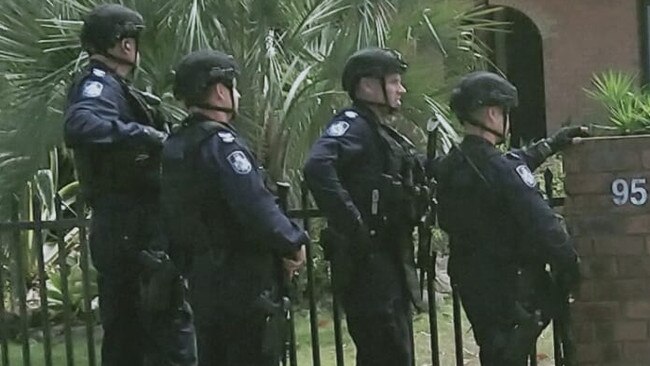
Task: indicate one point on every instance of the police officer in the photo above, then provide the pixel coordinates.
(502, 233)
(227, 231)
(117, 143)
(363, 175)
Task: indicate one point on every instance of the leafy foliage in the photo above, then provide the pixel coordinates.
(627, 104)
(291, 52)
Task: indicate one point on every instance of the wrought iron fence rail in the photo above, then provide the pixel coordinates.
(60, 224)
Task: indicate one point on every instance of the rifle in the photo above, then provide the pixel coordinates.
(148, 108)
(427, 257)
(428, 220)
(565, 352)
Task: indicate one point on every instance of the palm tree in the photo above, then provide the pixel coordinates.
(291, 52)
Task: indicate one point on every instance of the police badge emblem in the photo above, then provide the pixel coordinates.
(526, 175)
(338, 128)
(239, 162)
(92, 89)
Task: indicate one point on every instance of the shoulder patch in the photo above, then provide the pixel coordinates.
(338, 128)
(226, 136)
(239, 162)
(99, 73)
(526, 175)
(92, 89)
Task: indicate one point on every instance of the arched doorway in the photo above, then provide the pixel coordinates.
(519, 54)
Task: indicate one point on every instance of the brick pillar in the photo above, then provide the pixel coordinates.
(611, 315)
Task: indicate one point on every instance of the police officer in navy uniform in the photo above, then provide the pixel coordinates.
(227, 232)
(502, 233)
(363, 175)
(117, 141)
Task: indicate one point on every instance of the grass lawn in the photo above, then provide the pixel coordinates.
(422, 341)
(303, 336)
(36, 351)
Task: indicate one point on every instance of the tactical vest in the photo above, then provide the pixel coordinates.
(183, 202)
(401, 187)
(402, 201)
(462, 212)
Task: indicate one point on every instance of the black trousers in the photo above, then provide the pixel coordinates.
(232, 340)
(124, 335)
(118, 229)
(504, 344)
(493, 341)
(383, 338)
(114, 237)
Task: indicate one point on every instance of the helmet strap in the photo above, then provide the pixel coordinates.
(213, 107)
(472, 121)
(118, 60)
(123, 61)
(233, 112)
(391, 109)
(382, 105)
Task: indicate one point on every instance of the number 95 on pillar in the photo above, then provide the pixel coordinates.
(632, 191)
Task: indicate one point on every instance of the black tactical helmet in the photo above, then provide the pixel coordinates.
(199, 70)
(371, 62)
(481, 89)
(108, 23)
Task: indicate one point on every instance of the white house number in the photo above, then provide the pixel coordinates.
(634, 192)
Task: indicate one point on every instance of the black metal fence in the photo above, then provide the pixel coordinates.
(17, 237)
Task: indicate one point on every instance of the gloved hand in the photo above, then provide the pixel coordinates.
(154, 136)
(564, 137)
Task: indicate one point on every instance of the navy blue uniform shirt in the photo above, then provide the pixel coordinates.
(498, 223)
(214, 186)
(98, 111)
(343, 168)
(114, 151)
(239, 179)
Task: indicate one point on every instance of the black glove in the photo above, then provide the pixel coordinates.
(154, 136)
(563, 137)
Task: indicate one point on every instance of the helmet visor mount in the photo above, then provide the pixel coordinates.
(128, 30)
(226, 76)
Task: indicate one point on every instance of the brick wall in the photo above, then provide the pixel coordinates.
(611, 316)
(579, 38)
